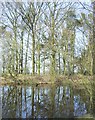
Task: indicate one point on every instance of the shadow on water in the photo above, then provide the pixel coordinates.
(46, 102)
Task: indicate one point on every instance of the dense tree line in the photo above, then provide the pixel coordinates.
(42, 37)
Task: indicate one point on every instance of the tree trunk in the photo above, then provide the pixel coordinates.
(44, 64)
(93, 50)
(38, 57)
(22, 51)
(39, 63)
(59, 63)
(93, 57)
(3, 63)
(26, 55)
(64, 62)
(53, 47)
(33, 53)
(15, 39)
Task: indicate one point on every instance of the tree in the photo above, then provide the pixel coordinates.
(30, 17)
(10, 13)
(45, 34)
(93, 57)
(93, 50)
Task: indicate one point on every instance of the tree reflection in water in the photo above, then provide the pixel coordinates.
(44, 102)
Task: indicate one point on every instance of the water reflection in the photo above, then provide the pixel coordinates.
(44, 102)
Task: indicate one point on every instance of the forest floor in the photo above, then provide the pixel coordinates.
(75, 80)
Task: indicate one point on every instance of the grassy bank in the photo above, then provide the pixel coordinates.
(75, 80)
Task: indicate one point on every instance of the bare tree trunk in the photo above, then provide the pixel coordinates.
(3, 64)
(93, 50)
(53, 46)
(59, 63)
(15, 38)
(93, 57)
(33, 53)
(22, 51)
(64, 62)
(26, 55)
(39, 63)
(44, 64)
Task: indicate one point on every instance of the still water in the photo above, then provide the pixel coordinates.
(45, 102)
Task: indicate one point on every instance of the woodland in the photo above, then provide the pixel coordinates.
(47, 59)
